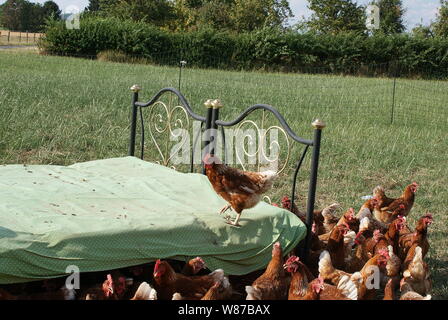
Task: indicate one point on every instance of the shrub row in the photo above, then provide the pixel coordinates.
(266, 49)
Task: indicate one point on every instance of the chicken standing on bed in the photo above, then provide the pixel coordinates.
(241, 189)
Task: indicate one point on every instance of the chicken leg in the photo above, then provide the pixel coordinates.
(235, 222)
(225, 208)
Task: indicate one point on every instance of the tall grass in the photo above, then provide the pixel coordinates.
(56, 110)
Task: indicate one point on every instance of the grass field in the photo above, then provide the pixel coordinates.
(57, 110)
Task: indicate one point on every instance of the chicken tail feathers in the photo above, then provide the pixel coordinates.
(145, 292)
(252, 293)
(348, 288)
(325, 266)
(218, 275)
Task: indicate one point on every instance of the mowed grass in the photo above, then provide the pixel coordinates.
(56, 110)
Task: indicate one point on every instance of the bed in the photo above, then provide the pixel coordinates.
(114, 213)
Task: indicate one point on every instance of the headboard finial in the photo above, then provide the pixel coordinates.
(217, 104)
(318, 124)
(136, 88)
(208, 103)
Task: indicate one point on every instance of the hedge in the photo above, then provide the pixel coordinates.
(266, 49)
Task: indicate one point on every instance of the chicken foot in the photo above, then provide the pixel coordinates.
(234, 223)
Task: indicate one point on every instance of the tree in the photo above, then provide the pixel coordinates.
(441, 24)
(12, 14)
(22, 15)
(94, 5)
(336, 16)
(51, 10)
(391, 16)
(421, 31)
(249, 15)
(157, 12)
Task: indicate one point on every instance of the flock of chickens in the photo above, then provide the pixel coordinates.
(372, 254)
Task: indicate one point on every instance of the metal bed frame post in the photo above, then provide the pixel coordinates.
(208, 125)
(216, 104)
(318, 126)
(135, 89)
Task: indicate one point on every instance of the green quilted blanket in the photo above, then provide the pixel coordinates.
(113, 213)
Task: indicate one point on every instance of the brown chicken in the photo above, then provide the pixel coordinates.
(324, 220)
(389, 290)
(241, 189)
(349, 219)
(221, 290)
(336, 245)
(400, 206)
(325, 291)
(419, 237)
(105, 291)
(273, 284)
(167, 282)
(193, 266)
(416, 271)
(300, 277)
(379, 198)
(370, 279)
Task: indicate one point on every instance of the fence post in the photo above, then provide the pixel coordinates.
(135, 89)
(9, 34)
(392, 111)
(318, 126)
(27, 37)
(182, 64)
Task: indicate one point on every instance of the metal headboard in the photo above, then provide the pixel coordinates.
(212, 127)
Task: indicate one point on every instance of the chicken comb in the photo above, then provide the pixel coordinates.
(292, 259)
(384, 252)
(156, 267)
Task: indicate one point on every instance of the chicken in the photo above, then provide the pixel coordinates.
(327, 271)
(393, 266)
(371, 275)
(193, 266)
(167, 282)
(416, 272)
(5, 295)
(300, 277)
(349, 219)
(110, 289)
(273, 284)
(419, 237)
(221, 290)
(336, 245)
(324, 219)
(324, 291)
(407, 292)
(241, 189)
(393, 232)
(411, 295)
(379, 197)
(373, 223)
(389, 290)
(401, 206)
(145, 292)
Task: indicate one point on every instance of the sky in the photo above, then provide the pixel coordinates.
(418, 11)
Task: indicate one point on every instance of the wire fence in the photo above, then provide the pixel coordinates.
(383, 92)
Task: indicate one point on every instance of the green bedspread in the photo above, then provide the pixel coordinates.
(114, 213)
